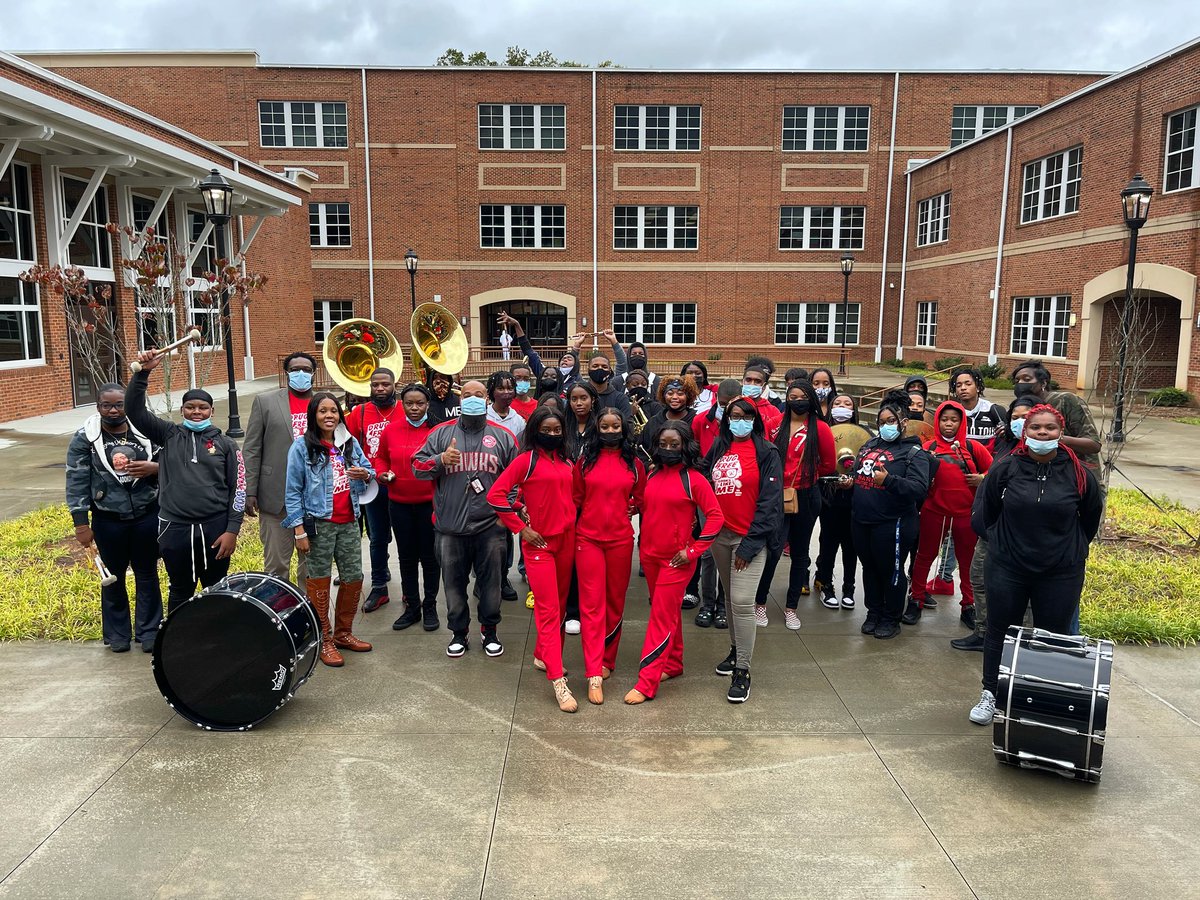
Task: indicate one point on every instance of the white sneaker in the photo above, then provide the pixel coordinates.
(760, 616)
(572, 626)
(984, 709)
(791, 620)
(847, 603)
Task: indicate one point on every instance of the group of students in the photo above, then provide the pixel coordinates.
(724, 480)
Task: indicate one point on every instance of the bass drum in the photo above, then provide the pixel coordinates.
(236, 652)
(1052, 702)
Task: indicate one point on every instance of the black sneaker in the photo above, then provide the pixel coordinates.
(491, 643)
(970, 642)
(912, 614)
(377, 598)
(967, 617)
(887, 629)
(429, 616)
(119, 648)
(148, 646)
(739, 687)
(410, 616)
(869, 623)
(828, 598)
(725, 666)
(704, 618)
(507, 592)
(690, 601)
(457, 647)
(719, 620)
(930, 601)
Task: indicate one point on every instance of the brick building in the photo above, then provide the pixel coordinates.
(702, 212)
(72, 161)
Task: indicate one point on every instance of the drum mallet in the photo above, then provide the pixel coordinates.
(193, 335)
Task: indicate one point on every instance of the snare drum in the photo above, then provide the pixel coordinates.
(1052, 702)
(232, 655)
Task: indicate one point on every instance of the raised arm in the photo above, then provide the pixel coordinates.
(135, 408)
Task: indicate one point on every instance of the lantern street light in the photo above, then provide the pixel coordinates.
(410, 263)
(1135, 207)
(218, 203)
(847, 268)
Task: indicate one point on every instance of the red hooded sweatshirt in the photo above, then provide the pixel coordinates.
(949, 493)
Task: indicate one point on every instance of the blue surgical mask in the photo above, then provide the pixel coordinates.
(300, 380)
(473, 406)
(522, 387)
(196, 426)
(1041, 447)
(752, 390)
(741, 427)
(720, 412)
(1017, 427)
(417, 423)
(889, 432)
(566, 370)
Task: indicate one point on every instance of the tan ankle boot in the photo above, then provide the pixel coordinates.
(347, 606)
(318, 596)
(596, 689)
(562, 693)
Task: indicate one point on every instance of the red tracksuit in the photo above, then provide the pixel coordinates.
(606, 496)
(545, 482)
(771, 416)
(673, 497)
(948, 506)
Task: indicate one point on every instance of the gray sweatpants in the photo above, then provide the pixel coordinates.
(740, 589)
(279, 544)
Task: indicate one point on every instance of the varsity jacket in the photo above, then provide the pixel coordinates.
(460, 504)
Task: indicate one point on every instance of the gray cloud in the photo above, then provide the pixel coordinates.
(853, 34)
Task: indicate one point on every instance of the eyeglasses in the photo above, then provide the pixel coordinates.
(113, 406)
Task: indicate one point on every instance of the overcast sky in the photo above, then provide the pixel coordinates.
(1107, 35)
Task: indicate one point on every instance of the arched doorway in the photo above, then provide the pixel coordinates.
(547, 316)
(1167, 308)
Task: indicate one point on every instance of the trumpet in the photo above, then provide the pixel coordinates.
(639, 417)
(93, 555)
(193, 335)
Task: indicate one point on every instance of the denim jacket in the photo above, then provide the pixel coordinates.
(310, 489)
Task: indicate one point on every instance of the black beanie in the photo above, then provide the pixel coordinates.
(198, 394)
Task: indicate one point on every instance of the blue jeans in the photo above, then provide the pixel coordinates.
(379, 530)
(459, 554)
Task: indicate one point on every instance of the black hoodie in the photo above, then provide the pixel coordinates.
(200, 474)
(906, 485)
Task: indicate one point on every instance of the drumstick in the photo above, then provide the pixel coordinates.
(106, 576)
(193, 335)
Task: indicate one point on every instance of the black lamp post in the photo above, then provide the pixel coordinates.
(847, 268)
(410, 263)
(1135, 206)
(218, 202)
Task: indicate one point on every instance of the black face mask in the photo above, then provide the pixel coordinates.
(668, 457)
(548, 441)
(113, 421)
(611, 438)
(639, 393)
(1025, 388)
(384, 402)
(799, 407)
(599, 376)
(916, 414)
(637, 362)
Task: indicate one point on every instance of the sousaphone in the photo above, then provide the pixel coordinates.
(438, 341)
(921, 429)
(355, 348)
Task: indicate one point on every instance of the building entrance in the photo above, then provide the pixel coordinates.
(545, 323)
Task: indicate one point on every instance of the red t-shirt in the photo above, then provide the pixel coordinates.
(524, 408)
(735, 482)
(367, 423)
(299, 408)
(826, 455)
(343, 509)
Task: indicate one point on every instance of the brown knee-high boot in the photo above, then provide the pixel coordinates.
(347, 606)
(318, 596)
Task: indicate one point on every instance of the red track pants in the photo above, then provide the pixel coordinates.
(603, 569)
(934, 526)
(548, 570)
(662, 651)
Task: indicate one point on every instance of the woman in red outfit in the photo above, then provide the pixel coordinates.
(610, 483)
(675, 493)
(410, 505)
(546, 524)
(958, 469)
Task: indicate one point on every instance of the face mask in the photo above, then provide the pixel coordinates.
(799, 407)
(841, 414)
(752, 390)
(547, 387)
(916, 414)
(417, 423)
(611, 438)
(196, 426)
(599, 376)
(720, 412)
(668, 457)
(113, 421)
(1017, 427)
(1025, 388)
(384, 402)
(566, 370)
(741, 428)
(1040, 447)
(823, 393)
(639, 393)
(300, 381)
(522, 387)
(889, 432)
(637, 362)
(473, 406)
(548, 441)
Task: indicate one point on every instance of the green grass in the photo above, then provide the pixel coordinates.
(1189, 420)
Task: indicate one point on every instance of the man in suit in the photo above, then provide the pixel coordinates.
(276, 419)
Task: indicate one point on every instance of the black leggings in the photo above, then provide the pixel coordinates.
(836, 534)
(799, 529)
(124, 544)
(187, 554)
(882, 549)
(1054, 597)
(412, 524)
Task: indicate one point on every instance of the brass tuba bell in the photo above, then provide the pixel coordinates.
(439, 342)
(355, 348)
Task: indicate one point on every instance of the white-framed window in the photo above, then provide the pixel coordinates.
(522, 126)
(329, 224)
(655, 323)
(206, 317)
(1039, 326)
(1181, 169)
(815, 323)
(206, 259)
(90, 245)
(521, 226)
(20, 323)
(829, 128)
(1050, 186)
(656, 227)
(16, 214)
(302, 123)
(933, 220)
(821, 227)
(327, 313)
(927, 323)
(970, 122)
(656, 128)
(156, 327)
